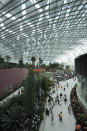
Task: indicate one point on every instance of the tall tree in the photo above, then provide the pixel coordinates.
(61, 66)
(67, 67)
(33, 59)
(40, 62)
(8, 58)
(54, 65)
(44, 85)
(21, 63)
(1, 62)
(12, 119)
(30, 94)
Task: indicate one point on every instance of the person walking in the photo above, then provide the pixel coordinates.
(65, 99)
(51, 111)
(61, 87)
(58, 102)
(65, 95)
(60, 116)
(69, 109)
(52, 118)
(57, 96)
(67, 84)
(61, 95)
(55, 99)
(47, 111)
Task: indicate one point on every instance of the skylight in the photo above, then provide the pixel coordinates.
(8, 15)
(23, 7)
(36, 5)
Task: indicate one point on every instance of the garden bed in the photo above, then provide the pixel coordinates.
(25, 111)
(77, 110)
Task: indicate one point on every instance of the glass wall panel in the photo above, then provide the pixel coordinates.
(82, 87)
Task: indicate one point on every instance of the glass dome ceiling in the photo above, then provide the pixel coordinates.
(4, 2)
(43, 28)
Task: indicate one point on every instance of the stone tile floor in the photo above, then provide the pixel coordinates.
(68, 122)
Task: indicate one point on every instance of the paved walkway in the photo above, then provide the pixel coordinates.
(68, 122)
(10, 96)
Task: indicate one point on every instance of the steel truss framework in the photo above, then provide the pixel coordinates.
(42, 28)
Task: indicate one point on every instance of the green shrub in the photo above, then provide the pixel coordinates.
(82, 118)
(12, 119)
(77, 109)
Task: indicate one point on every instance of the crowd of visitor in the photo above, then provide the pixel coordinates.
(58, 99)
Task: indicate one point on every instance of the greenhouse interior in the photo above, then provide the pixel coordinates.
(43, 65)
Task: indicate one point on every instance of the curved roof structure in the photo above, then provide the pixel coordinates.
(3, 3)
(43, 28)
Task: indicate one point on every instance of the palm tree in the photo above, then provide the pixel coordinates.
(67, 67)
(1, 61)
(21, 63)
(33, 59)
(61, 66)
(12, 120)
(40, 62)
(8, 58)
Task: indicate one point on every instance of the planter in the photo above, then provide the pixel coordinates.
(77, 110)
